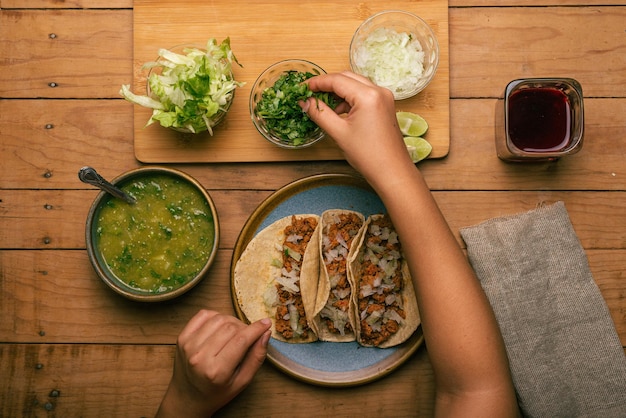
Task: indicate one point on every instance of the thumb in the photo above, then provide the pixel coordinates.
(253, 360)
(323, 116)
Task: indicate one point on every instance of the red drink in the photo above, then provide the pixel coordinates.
(539, 119)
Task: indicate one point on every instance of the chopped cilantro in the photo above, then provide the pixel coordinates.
(280, 110)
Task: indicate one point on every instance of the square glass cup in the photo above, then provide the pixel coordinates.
(541, 120)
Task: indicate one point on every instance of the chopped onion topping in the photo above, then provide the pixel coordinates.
(294, 238)
(294, 317)
(391, 298)
(270, 297)
(366, 290)
(393, 315)
(289, 283)
(292, 253)
(339, 317)
(342, 293)
(394, 60)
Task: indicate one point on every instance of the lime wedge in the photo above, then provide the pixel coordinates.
(411, 124)
(418, 148)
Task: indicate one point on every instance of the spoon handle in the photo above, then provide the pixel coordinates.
(90, 176)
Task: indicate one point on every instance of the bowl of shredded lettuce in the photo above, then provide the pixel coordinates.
(189, 88)
(274, 107)
(397, 50)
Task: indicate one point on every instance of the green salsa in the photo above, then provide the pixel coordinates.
(162, 241)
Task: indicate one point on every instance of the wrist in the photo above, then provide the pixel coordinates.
(178, 402)
(395, 178)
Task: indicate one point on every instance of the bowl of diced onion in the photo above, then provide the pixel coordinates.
(397, 50)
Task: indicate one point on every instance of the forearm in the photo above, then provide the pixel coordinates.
(463, 338)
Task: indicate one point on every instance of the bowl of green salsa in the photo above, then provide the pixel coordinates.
(159, 247)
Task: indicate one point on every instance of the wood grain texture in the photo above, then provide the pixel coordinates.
(66, 4)
(64, 53)
(86, 380)
(261, 34)
(48, 141)
(48, 220)
(71, 347)
(585, 43)
(54, 297)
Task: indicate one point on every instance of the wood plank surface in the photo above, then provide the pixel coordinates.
(78, 132)
(71, 347)
(46, 220)
(261, 34)
(577, 42)
(53, 297)
(81, 376)
(64, 53)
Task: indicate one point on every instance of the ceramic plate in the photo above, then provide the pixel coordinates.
(324, 363)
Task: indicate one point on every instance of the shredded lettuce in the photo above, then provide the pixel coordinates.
(193, 89)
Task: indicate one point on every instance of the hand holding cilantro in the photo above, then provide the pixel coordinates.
(280, 110)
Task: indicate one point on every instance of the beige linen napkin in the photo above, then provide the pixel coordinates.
(566, 357)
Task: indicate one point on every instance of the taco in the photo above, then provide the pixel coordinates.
(333, 318)
(382, 290)
(277, 267)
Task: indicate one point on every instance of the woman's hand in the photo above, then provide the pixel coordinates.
(217, 356)
(364, 125)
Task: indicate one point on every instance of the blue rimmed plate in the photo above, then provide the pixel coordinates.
(324, 363)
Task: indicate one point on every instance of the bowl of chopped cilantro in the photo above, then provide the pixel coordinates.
(189, 88)
(396, 50)
(274, 104)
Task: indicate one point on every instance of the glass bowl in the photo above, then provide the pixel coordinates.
(266, 80)
(186, 49)
(391, 47)
(160, 247)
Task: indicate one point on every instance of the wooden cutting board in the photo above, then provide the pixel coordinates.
(261, 34)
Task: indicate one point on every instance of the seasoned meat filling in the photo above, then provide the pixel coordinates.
(336, 242)
(290, 315)
(380, 285)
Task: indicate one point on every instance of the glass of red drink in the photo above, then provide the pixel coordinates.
(543, 119)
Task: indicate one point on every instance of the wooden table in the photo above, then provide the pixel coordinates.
(71, 347)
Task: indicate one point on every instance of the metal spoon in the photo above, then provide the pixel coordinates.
(90, 176)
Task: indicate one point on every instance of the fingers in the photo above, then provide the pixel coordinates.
(253, 359)
(245, 341)
(346, 85)
(325, 117)
(209, 335)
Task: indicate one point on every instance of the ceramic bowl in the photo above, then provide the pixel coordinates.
(161, 246)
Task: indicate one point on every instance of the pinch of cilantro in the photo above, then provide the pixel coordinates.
(280, 110)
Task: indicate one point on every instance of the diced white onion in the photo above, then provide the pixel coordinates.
(294, 238)
(390, 59)
(293, 316)
(341, 293)
(366, 291)
(289, 283)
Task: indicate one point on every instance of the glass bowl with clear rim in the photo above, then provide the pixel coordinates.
(215, 120)
(266, 80)
(380, 51)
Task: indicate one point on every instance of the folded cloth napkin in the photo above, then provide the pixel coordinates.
(565, 355)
